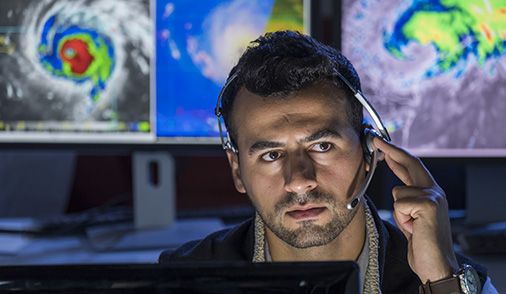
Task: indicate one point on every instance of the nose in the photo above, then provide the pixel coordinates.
(300, 176)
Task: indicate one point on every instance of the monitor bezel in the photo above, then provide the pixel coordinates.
(200, 276)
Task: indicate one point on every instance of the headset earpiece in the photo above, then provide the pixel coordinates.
(368, 145)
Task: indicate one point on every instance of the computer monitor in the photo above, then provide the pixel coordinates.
(76, 71)
(188, 277)
(436, 73)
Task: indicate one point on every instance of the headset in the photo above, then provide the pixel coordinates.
(371, 154)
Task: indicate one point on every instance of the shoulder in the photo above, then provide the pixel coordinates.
(235, 243)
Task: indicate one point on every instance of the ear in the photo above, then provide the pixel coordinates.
(233, 161)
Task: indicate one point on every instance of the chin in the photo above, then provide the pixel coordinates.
(310, 240)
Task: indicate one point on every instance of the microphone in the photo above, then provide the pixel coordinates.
(356, 200)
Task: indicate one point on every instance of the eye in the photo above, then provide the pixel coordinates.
(271, 156)
(322, 147)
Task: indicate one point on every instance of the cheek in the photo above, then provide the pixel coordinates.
(342, 176)
(264, 189)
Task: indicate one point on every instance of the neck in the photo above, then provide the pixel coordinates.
(346, 246)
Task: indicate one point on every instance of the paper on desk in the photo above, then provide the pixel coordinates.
(18, 224)
(125, 237)
(13, 243)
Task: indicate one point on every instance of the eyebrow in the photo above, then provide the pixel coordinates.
(323, 133)
(262, 145)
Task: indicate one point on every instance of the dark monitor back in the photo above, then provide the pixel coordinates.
(187, 277)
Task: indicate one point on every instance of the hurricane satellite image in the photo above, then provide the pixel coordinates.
(434, 69)
(79, 65)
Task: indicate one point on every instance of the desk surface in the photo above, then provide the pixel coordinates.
(104, 245)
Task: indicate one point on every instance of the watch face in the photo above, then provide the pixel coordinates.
(470, 280)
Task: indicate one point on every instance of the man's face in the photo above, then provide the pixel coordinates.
(299, 161)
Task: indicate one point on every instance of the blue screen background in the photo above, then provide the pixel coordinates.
(186, 47)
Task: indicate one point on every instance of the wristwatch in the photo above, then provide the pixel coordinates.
(469, 280)
(466, 281)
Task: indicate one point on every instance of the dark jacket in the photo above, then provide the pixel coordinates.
(237, 244)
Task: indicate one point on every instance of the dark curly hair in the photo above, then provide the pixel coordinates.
(280, 63)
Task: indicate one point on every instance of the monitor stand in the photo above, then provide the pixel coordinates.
(155, 225)
(154, 189)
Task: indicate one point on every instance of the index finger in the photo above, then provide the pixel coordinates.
(408, 168)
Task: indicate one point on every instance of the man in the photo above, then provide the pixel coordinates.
(296, 134)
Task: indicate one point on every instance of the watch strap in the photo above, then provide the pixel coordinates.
(446, 286)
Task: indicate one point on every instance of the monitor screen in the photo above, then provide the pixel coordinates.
(434, 70)
(126, 71)
(187, 277)
(75, 70)
(197, 46)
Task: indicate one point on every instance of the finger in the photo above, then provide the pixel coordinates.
(408, 203)
(419, 207)
(407, 210)
(413, 171)
(400, 171)
(401, 192)
(404, 231)
(405, 222)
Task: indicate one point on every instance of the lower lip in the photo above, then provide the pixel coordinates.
(305, 214)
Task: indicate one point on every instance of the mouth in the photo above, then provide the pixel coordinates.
(303, 213)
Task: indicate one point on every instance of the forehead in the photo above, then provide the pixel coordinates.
(320, 105)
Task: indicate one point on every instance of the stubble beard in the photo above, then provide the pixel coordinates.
(309, 234)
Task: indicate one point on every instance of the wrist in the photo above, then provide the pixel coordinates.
(465, 280)
(439, 273)
(438, 276)
(444, 267)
